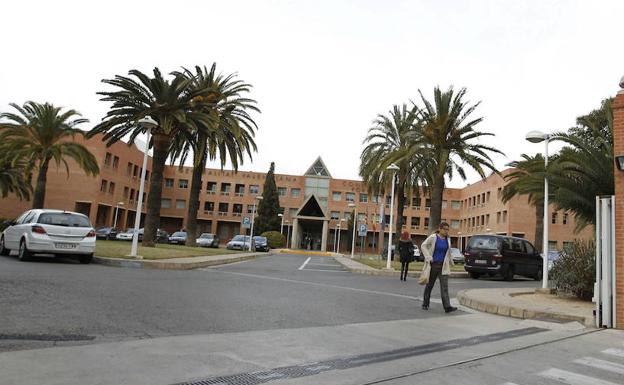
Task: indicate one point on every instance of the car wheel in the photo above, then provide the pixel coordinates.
(509, 273)
(24, 254)
(86, 259)
(3, 250)
(538, 275)
(475, 275)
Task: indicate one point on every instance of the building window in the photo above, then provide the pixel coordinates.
(254, 189)
(108, 159)
(250, 209)
(565, 218)
(335, 215)
(103, 185)
(552, 245)
(111, 188)
(487, 219)
(427, 204)
(336, 196)
(505, 216)
(388, 199)
(147, 175)
(376, 198)
(237, 208)
(239, 190)
(115, 162)
(135, 171)
(347, 215)
(487, 199)
(350, 197)
(498, 217)
(295, 192)
(363, 198)
(225, 188)
(168, 182)
(132, 195)
(444, 204)
(208, 206)
(126, 192)
(455, 205)
(416, 201)
(361, 217)
(183, 183)
(224, 207)
(282, 191)
(553, 218)
(479, 199)
(427, 223)
(292, 212)
(415, 222)
(498, 192)
(567, 244)
(129, 169)
(165, 203)
(454, 224)
(180, 204)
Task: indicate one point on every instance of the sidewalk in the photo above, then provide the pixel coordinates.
(177, 263)
(526, 303)
(360, 268)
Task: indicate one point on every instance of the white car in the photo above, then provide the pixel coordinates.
(125, 236)
(42, 231)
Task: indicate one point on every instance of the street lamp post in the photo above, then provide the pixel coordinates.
(148, 123)
(282, 225)
(459, 235)
(287, 234)
(336, 235)
(393, 167)
(537, 137)
(116, 212)
(253, 216)
(339, 232)
(354, 207)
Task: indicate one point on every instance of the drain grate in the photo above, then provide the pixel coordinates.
(46, 337)
(260, 377)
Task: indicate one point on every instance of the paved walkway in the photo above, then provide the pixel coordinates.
(526, 303)
(177, 263)
(360, 268)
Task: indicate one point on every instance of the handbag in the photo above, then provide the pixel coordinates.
(424, 274)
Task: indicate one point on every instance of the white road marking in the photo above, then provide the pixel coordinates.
(305, 263)
(330, 271)
(510, 383)
(614, 352)
(571, 378)
(601, 364)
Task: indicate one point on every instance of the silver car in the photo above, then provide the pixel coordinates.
(240, 242)
(43, 231)
(207, 240)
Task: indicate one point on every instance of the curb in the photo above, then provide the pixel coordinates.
(305, 252)
(159, 265)
(385, 273)
(507, 310)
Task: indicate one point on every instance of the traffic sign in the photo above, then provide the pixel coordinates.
(362, 230)
(247, 222)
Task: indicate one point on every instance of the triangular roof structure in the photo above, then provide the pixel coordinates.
(312, 208)
(318, 168)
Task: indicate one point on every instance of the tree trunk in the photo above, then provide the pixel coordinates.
(437, 190)
(539, 226)
(193, 208)
(40, 189)
(400, 191)
(152, 219)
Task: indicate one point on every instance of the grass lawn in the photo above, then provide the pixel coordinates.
(414, 266)
(120, 249)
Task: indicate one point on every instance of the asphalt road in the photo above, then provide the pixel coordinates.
(59, 302)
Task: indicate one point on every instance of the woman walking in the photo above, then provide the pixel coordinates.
(437, 251)
(406, 252)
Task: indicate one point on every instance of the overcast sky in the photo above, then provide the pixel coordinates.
(322, 70)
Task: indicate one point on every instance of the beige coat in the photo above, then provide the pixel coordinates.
(428, 247)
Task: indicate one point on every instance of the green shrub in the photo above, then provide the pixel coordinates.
(574, 272)
(2, 225)
(275, 238)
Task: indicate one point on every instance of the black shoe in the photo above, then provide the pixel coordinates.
(425, 307)
(450, 309)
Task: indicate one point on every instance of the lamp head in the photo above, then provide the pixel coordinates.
(147, 122)
(352, 205)
(622, 82)
(392, 167)
(536, 136)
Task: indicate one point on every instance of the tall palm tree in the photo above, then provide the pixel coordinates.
(13, 177)
(41, 133)
(229, 137)
(173, 104)
(449, 130)
(394, 138)
(528, 179)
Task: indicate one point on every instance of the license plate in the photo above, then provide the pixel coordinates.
(480, 261)
(65, 245)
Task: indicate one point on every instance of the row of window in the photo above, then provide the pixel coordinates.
(479, 200)
(226, 188)
(132, 169)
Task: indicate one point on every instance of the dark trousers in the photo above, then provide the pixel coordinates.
(404, 267)
(436, 271)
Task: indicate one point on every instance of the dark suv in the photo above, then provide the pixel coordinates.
(501, 255)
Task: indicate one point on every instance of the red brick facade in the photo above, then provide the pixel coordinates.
(618, 136)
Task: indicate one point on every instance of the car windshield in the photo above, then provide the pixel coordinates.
(241, 238)
(64, 219)
(179, 234)
(455, 251)
(483, 243)
(206, 235)
(260, 239)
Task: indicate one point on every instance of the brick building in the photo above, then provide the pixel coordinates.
(314, 203)
(618, 150)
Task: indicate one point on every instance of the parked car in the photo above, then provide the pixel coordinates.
(207, 240)
(106, 233)
(240, 242)
(457, 255)
(502, 255)
(161, 236)
(43, 231)
(261, 244)
(126, 235)
(178, 238)
(417, 254)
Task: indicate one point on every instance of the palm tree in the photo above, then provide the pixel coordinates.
(173, 104)
(229, 137)
(394, 138)
(13, 177)
(41, 133)
(449, 131)
(528, 179)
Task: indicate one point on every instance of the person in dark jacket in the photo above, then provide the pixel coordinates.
(406, 252)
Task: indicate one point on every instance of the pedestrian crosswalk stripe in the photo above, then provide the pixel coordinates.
(601, 364)
(614, 352)
(571, 378)
(510, 383)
